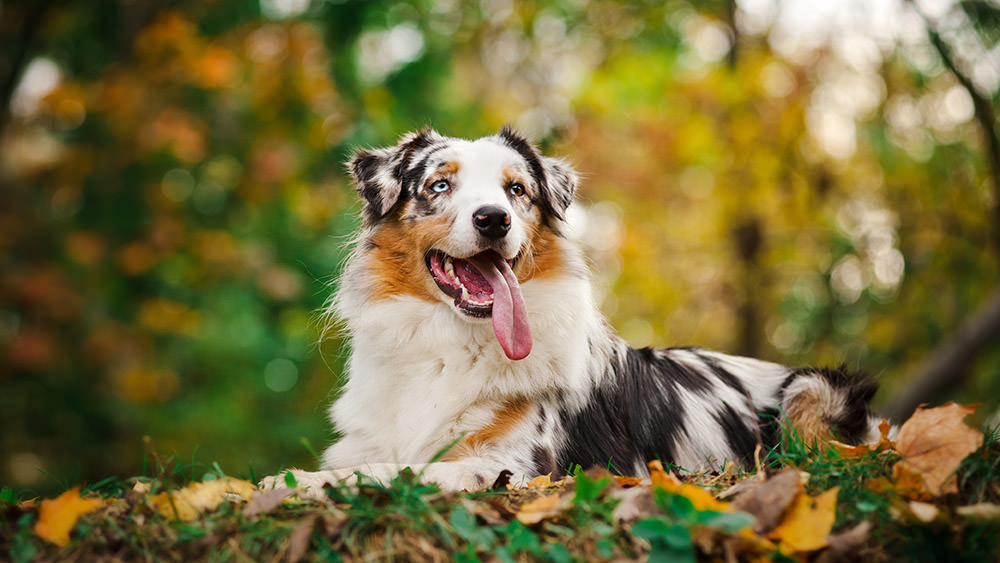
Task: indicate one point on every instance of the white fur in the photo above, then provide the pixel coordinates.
(421, 374)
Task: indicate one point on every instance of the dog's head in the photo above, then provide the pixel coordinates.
(464, 222)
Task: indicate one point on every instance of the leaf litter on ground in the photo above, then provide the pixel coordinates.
(929, 493)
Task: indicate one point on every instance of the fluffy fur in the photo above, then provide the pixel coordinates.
(426, 368)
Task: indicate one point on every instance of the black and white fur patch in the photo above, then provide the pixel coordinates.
(423, 373)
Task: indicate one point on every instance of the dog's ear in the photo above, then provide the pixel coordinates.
(560, 186)
(378, 173)
(555, 178)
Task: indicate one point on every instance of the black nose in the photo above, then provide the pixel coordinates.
(491, 221)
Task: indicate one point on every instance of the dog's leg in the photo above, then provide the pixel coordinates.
(468, 474)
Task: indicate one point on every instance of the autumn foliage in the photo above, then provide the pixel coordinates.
(767, 513)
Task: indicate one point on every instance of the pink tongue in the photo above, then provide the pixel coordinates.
(510, 316)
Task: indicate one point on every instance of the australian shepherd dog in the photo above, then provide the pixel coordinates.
(472, 324)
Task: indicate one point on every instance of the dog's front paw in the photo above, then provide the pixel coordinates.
(307, 484)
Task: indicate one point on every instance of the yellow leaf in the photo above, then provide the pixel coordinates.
(56, 517)
(808, 522)
(541, 481)
(700, 498)
(660, 477)
(188, 503)
(933, 442)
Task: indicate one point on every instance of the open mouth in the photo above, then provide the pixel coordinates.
(484, 286)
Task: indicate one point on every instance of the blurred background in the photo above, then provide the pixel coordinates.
(808, 181)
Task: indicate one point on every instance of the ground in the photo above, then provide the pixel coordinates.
(932, 494)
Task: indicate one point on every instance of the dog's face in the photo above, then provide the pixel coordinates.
(464, 223)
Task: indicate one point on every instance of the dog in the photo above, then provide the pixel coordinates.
(474, 332)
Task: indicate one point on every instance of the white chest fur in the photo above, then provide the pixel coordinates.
(420, 375)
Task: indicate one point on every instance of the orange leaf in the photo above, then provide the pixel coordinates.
(660, 477)
(57, 516)
(884, 443)
(933, 442)
(808, 522)
(627, 481)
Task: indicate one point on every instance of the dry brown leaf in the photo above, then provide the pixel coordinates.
(768, 501)
(808, 523)
(298, 540)
(188, 503)
(843, 545)
(542, 508)
(263, 502)
(933, 442)
(484, 510)
(634, 503)
(57, 516)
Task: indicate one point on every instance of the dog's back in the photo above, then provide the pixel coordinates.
(473, 327)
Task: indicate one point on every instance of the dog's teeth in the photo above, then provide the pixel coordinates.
(465, 294)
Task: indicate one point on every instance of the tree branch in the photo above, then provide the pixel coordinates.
(948, 365)
(984, 115)
(33, 16)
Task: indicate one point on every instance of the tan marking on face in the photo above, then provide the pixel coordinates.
(446, 171)
(544, 257)
(805, 413)
(511, 176)
(398, 256)
(505, 419)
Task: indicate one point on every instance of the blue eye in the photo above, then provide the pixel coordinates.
(440, 186)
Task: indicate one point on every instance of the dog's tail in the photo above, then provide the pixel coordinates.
(830, 403)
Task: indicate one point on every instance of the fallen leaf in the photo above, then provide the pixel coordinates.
(883, 443)
(623, 481)
(188, 503)
(634, 503)
(768, 501)
(57, 516)
(659, 476)
(904, 483)
(483, 510)
(933, 442)
(981, 511)
(808, 523)
(842, 545)
(700, 498)
(298, 540)
(924, 511)
(542, 508)
(263, 502)
(541, 481)
(884, 429)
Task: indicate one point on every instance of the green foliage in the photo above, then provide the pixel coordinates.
(670, 535)
(175, 207)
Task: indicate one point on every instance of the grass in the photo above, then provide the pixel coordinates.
(408, 520)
